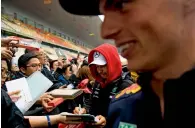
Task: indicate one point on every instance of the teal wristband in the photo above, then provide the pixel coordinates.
(48, 121)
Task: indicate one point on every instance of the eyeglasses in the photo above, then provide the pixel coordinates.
(34, 65)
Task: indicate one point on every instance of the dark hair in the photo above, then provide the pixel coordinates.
(8, 63)
(8, 68)
(51, 63)
(29, 50)
(85, 63)
(23, 60)
(65, 67)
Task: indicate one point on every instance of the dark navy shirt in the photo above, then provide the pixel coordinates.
(142, 109)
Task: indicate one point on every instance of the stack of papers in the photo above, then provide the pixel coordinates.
(66, 93)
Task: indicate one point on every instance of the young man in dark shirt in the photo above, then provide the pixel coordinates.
(157, 39)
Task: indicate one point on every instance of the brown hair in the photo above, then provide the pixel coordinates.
(84, 73)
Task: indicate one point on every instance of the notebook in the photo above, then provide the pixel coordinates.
(31, 89)
(77, 118)
(66, 93)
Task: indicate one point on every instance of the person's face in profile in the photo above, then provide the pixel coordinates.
(102, 71)
(4, 71)
(68, 72)
(14, 68)
(55, 65)
(148, 31)
(41, 56)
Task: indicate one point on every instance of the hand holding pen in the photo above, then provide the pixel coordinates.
(79, 110)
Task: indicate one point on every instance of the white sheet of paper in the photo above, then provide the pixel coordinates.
(70, 86)
(22, 85)
(35, 86)
(38, 84)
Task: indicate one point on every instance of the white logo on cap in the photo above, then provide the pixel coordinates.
(98, 59)
(96, 54)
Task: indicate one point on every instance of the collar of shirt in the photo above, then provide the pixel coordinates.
(178, 101)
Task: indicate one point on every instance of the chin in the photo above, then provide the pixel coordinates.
(141, 67)
(136, 66)
(132, 66)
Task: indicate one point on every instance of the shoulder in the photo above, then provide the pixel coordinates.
(61, 77)
(131, 92)
(127, 82)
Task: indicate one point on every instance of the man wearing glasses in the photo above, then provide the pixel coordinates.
(29, 63)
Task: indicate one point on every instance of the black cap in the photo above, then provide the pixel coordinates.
(81, 7)
(23, 60)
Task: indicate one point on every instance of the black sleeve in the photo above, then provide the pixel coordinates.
(11, 115)
(87, 103)
(88, 100)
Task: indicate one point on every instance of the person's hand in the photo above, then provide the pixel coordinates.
(9, 41)
(43, 95)
(45, 99)
(45, 105)
(6, 54)
(46, 95)
(79, 62)
(101, 121)
(74, 69)
(76, 111)
(14, 95)
(62, 119)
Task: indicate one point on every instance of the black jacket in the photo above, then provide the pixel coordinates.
(49, 75)
(11, 117)
(141, 109)
(101, 97)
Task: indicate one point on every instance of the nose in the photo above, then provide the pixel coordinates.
(110, 26)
